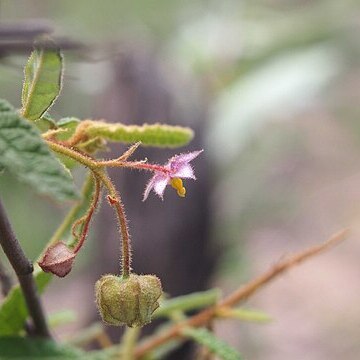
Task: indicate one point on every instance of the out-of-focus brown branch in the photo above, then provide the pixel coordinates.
(25, 29)
(241, 294)
(9, 47)
(23, 269)
(18, 37)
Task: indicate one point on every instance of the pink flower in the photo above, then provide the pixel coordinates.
(177, 168)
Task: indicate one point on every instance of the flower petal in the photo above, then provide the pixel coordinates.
(184, 171)
(157, 183)
(160, 185)
(148, 188)
(185, 158)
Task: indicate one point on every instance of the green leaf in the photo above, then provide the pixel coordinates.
(189, 302)
(159, 135)
(43, 78)
(45, 123)
(24, 154)
(210, 341)
(69, 124)
(61, 317)
(35, 348)
(244, 315)
(13, 310)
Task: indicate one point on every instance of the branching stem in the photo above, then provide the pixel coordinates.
(205, 316)
(113, 196)
(23, 269)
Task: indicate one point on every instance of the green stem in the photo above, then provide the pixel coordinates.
(129, 341)
(114, 198)
(76, 155)
(89, 215)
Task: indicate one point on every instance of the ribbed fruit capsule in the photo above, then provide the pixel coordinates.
(127, 301)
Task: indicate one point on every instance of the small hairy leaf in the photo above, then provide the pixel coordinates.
(13, 310)
(244, 314)
(45, 123)
(26, 155)
(189, 302)
(42, 83)
(152, 135)
(33, 348)
(210, 341)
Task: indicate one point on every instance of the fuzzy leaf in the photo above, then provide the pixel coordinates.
(24, 154)
(43, 78)
(45, 123)
(32, 348)
(69, 124)
(189, 302)
(13, 310)
(211, 342)
(152, 135)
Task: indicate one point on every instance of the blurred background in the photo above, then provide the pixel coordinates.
(272, 89)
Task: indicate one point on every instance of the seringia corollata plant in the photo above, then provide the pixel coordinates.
(40, 151)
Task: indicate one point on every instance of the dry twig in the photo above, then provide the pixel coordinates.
(240, 294)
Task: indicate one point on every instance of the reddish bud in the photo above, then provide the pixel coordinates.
(58, 260)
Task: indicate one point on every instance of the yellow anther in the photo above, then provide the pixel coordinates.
(181, 192)
(177, 184)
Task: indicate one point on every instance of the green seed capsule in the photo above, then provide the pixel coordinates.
(130, 301)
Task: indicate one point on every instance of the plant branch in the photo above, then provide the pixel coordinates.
(71, 215)
(23, 269)
(241, 294)
(73, 154)
(114, 198)
(139, 165)
(89, 215)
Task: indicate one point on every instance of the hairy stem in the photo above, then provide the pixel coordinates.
(71, 215)
(139, 165)
(114, 198)
(74, 154)
(205, 316)
(129, 340)
(23, 269)
(89, 215)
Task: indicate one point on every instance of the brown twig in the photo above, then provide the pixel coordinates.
(23, 269)
(241, 294)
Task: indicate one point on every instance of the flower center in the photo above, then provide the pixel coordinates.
(177, 184)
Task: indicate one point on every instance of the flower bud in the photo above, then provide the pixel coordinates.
(58, 259)
(127, 301)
